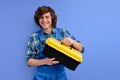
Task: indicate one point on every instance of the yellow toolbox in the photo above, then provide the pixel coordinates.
(67, 56)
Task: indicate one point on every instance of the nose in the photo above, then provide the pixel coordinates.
(44, 19)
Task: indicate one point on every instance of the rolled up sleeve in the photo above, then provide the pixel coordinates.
(31, 49)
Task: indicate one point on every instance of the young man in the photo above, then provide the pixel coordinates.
(47, 68)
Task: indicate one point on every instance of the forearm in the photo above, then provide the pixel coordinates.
(39, 62)
(35, 62)
(77, 46)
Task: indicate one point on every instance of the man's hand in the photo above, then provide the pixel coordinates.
(50, 61)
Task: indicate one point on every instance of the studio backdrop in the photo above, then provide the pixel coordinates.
(96, 23)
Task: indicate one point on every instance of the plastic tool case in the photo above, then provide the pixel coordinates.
(67, 56)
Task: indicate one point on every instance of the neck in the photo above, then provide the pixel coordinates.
(48, 30)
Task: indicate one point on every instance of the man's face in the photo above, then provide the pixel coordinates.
(45, 20)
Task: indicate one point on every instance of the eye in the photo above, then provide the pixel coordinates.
(47, 17)
(40, 17)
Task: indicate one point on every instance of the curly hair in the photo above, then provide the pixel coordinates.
(42, 10)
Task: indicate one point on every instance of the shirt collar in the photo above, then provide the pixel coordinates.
(53, 31)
